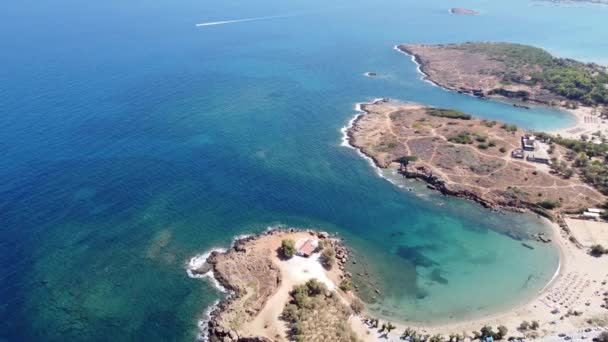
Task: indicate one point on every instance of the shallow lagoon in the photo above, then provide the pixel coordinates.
(132, 140)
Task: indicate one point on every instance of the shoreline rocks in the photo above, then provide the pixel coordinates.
(239, 266)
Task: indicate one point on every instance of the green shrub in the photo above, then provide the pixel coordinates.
(346, 285)
(291, 313)
(288, 248)
(315, 287)
(480, 138)
(534, 325)
(406, 159)
(328, 258)
(598, 250)
(509, 127)
(448, 113)
(549, 204)
(463, 137)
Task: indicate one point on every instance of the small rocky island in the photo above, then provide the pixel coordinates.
(463, 11)
(493, 163)
(596, 2)
(515, 71)
(283, 285)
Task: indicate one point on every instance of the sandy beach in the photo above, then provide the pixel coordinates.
(588, 121)
(578, 286)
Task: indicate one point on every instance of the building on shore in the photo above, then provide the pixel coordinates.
(538, 158)
(307, 248)
(528, 142)
(517, 153)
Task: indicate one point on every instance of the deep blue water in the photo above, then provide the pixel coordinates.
(131, 140)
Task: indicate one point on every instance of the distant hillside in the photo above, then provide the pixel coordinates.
(512, 70)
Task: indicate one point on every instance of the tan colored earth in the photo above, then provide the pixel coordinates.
(390, 131)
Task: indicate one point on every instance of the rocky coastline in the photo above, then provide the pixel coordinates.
(432, 176)
(520, 97)
(475, 92)
(242, 264)
(426, 175)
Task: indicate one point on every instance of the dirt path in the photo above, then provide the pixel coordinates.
(295, 271)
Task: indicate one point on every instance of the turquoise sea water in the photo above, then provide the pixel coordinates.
(131, 140)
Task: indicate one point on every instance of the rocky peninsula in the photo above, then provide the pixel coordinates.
(514, 71)
(471, 158)
(474, 159)
(283, 284)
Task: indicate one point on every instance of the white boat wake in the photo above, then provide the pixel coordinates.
(237, 21)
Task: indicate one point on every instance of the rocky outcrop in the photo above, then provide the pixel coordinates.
(463, 11)
(482, 70)
(465, 157)
(247, 271)
(250, 275)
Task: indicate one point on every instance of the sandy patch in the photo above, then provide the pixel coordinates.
(588, 121)
(589, 233)
(295, 271)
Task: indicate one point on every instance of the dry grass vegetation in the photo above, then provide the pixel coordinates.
(468, 157)
(316, 314)
(242, 271)
(514, 71)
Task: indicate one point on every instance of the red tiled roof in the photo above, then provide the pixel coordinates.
(307, 248)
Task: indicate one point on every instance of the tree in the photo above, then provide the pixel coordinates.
(328, 258)
(436, 338)
(534, 325)
(288, 248)
(315, 287)
(300, 296)
(598, 250)
(487, 331)
(549, 204)
(408, 332)
(502, 332)
(291, 313)
(406, 160)
(581, 160)
(525, 325)
(603, 337)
